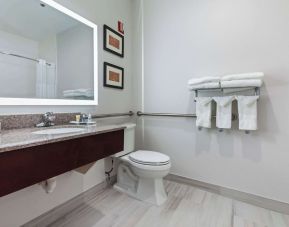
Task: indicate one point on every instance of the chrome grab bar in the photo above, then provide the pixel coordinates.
(130, 113)
(139, 113)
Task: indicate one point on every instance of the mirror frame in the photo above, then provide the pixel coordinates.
(59, 102)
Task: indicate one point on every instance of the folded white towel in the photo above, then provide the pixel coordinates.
(243, 76)
(241, 83)
(247, 109)
(201, 80)
(204, 112)
(78, 92)
(205, 86)
(224, 111)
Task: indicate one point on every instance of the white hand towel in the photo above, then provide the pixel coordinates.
(224, 111)
(204, 112)
(205, 86)
(241, 83)
(244, 76)
(201, 80)
(247, 108)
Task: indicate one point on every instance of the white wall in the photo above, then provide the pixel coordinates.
(193, 38)
(18, 73)
(24, 205)
(75, 59)
(48, 49)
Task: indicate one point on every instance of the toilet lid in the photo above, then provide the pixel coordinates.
(149, 158)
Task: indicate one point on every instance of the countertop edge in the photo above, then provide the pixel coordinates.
(55, 140)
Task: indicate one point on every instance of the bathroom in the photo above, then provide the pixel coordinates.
(217, 177)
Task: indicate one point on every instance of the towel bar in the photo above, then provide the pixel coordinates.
(256, 90)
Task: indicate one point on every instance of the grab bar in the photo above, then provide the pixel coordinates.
(139, 113)
(130, 113)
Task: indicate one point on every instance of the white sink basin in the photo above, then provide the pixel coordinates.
(55, 131)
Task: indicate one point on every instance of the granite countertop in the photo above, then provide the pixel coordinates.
(21, 138)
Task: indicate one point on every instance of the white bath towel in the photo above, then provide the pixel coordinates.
(224, 111)
(244, 76)
(241, 83)
(204, 112)
(209, 85)
(247, 109)
(201, 80)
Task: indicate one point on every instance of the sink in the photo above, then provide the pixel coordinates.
(55, 131)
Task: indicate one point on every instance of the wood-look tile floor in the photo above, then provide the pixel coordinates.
(186, 206)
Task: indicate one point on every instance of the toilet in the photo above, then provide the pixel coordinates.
(140, 173)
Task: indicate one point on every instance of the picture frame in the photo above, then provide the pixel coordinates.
(113, 76)
(113, 41)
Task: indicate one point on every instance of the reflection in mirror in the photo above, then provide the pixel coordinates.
(44, 53)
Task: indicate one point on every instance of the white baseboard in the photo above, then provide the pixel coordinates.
(234, 194)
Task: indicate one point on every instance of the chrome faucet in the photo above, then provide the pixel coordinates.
(47, 120)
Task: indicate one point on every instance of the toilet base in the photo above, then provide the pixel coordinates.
(150, 190)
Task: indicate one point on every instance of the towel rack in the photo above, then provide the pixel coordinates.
(256, 90)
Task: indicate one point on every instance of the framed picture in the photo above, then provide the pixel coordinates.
(113, 41)
(113, 76)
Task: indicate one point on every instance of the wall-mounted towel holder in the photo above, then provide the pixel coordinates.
(255, 89)
(238, 89)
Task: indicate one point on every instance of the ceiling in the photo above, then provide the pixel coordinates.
(31, 20)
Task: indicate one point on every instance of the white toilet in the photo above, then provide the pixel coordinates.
(140, 173)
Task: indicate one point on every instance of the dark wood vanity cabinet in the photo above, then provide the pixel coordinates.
(25, 167)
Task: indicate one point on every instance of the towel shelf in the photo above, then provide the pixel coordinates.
(256, 90)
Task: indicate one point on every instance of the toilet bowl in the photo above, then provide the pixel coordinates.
(140, 173)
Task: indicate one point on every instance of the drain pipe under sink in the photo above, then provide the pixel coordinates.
(49, 185)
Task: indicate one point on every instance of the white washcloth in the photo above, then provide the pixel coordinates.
(224, 111)
(205, 86)
(241, 83)
(247, 108)
(204, 112)
(201, 80)
(244, 76)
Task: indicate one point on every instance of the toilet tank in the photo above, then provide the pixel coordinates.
(129, 139)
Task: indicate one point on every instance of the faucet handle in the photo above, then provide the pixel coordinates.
(48, 119)
(51, 116)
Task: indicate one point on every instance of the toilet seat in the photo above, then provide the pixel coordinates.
(150, 158)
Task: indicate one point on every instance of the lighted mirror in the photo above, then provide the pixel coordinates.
(48, 55)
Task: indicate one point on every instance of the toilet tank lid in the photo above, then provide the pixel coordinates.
(144, 156)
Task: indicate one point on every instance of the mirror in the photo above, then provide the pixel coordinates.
(48, 55)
